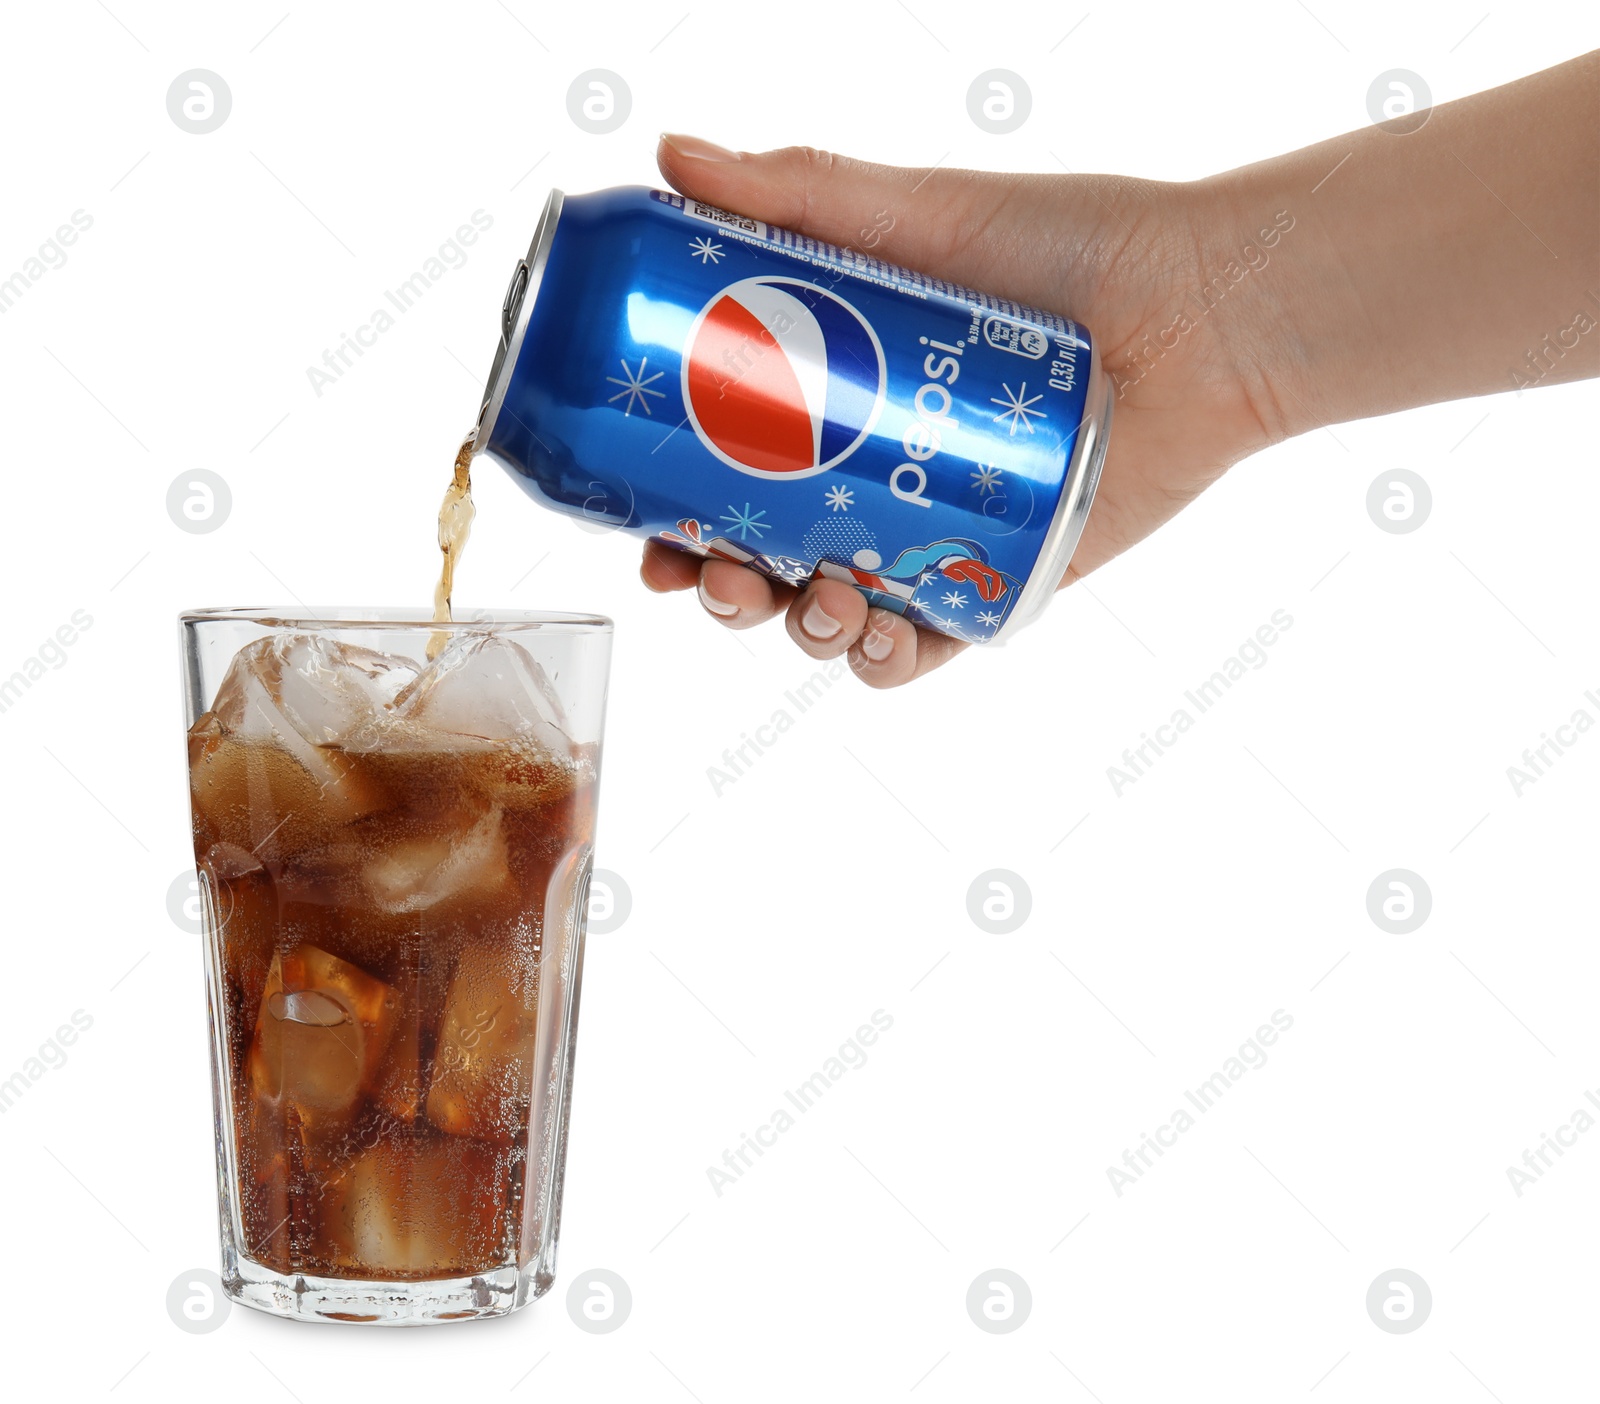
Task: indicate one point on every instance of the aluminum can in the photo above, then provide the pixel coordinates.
(736, 390)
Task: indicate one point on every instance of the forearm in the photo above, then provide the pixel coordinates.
(1459, 259)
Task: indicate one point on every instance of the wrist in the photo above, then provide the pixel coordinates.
(1278, 342)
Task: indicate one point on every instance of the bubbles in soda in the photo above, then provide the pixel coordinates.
(380, 842)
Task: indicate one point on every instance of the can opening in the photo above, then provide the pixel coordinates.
(521, 292)
(513, 302)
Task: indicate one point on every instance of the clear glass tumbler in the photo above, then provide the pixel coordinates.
(393, 827)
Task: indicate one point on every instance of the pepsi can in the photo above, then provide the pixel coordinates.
(740, 391)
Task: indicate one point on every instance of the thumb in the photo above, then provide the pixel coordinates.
(934, 220)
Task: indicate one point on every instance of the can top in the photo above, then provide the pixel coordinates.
(521, 294)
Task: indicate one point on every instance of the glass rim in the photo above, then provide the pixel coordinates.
(327, 617)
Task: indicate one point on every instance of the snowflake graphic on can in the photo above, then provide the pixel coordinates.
(747, 522)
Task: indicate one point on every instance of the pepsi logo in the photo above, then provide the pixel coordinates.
(781, 378)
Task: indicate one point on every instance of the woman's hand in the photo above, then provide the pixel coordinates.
(1123, 257)
(1390, 267)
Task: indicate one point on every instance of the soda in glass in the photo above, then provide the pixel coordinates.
(393, 829)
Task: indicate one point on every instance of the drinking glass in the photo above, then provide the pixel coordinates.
(393, 829)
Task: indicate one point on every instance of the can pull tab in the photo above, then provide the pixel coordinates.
(515, 291)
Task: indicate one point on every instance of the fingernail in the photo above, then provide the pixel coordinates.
(877, 644)
(697, 148)
(817, 623)
(721, 608)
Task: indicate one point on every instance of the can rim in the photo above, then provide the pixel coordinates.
(515, 317)
(1072, 508)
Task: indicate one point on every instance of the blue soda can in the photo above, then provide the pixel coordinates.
(736, 390)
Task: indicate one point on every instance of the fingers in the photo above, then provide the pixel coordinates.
(664, 569)
(934, 220)
(729, 593)
(738, 597)
(892, 651)
(829, 618)
(826, 618)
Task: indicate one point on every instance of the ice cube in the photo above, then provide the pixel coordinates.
(483, 1064)
(411, 873)
(489, 704)
(419, 1206)
(326, 900)
(522, 777)
(320, 1037)
(227, 862)
(326, 691)
(273, 764)
(485, 687)
(259, 797)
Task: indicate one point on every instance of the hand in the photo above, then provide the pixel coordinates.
(1426, 263)
(1119, 255)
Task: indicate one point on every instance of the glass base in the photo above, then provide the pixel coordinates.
(303, 1297)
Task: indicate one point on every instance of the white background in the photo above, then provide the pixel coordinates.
(830, 881)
